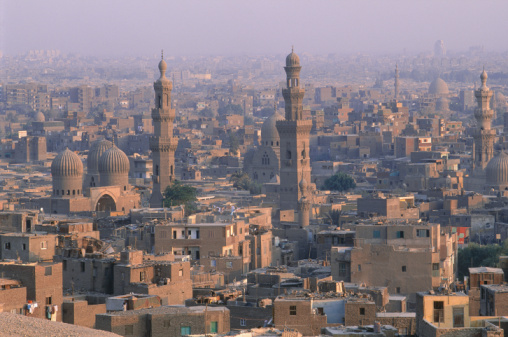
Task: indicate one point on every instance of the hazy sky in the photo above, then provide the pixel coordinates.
(189, 27)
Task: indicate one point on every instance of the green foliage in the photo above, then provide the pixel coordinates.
(242, 181)
(475, 255)
(207, 112)
(339, 182)
(231, 109)
(179, 194)
(334, 217)
(234, 143)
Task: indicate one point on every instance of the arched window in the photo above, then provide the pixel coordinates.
(255, 176)
(63, 192)
(156, 170)
(73, 192)
(288, 154)
(265, 160)
(78, 192)
(68, 192)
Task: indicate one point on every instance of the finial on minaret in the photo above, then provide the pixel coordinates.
(162, 54)
(483, 78)
(292, 48)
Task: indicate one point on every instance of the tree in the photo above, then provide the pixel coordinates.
(180, 194)
(242, 181)
(475, 255)
(339, 182)
(234, 143)
(231, 109)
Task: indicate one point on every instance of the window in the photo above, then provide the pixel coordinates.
(422, 233)
(243, 322)
(180, 272)
(82, 267)
(197, 234)
(213, 327)
(376, 234)
(7, 245)
(342, 269)
(44, 245)
(292, 310)
(48, 271)
(24, 246)
(64, 264)
(399, 234)
(403, 269)
(359, 267)
(458, 317)
(362, 311)
(213, 263)
(48, 300)
(438, 311)
(185, 330)
(229, 264)
(397, 290)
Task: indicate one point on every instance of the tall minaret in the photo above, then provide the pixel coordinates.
(162, 143)
(294, 139)
(484, 135)
(396, 84)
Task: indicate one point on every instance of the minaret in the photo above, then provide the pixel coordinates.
(294, 139)
(396, 84)
(162, 143)
(484, 135)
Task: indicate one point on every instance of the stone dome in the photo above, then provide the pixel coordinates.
(292, 60)
(438, 87)
(39, 117)
(67, 172)
(66, 164)
(114, 168)
(269, 131)
(497, 170)
(114, 160)
(96, 151)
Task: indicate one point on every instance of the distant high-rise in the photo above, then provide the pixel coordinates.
(439, 49)
(162, 143)
(484, 135)
(294, 140)
(396, 84)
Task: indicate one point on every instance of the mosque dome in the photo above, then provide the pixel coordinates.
(39, 117)
(114, 160)
(67, 172)
(500, 98)
(269, 131)
(96, 150)
(497, 169)
(438, 87)
(66, 164)
(114, 168)
(292, 60)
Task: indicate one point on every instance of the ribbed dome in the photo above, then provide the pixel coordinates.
(292, 60)
(39, 117)
(96, 151)
(67, 164)
(497, 170)
(114, 160)
(269, 131)
(438, 87)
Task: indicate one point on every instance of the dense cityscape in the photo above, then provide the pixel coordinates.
(296, 194)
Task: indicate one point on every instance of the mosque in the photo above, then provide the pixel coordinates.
(262, 164)
(105, 187)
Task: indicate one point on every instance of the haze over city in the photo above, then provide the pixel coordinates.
(254, 168)
(138, 28)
